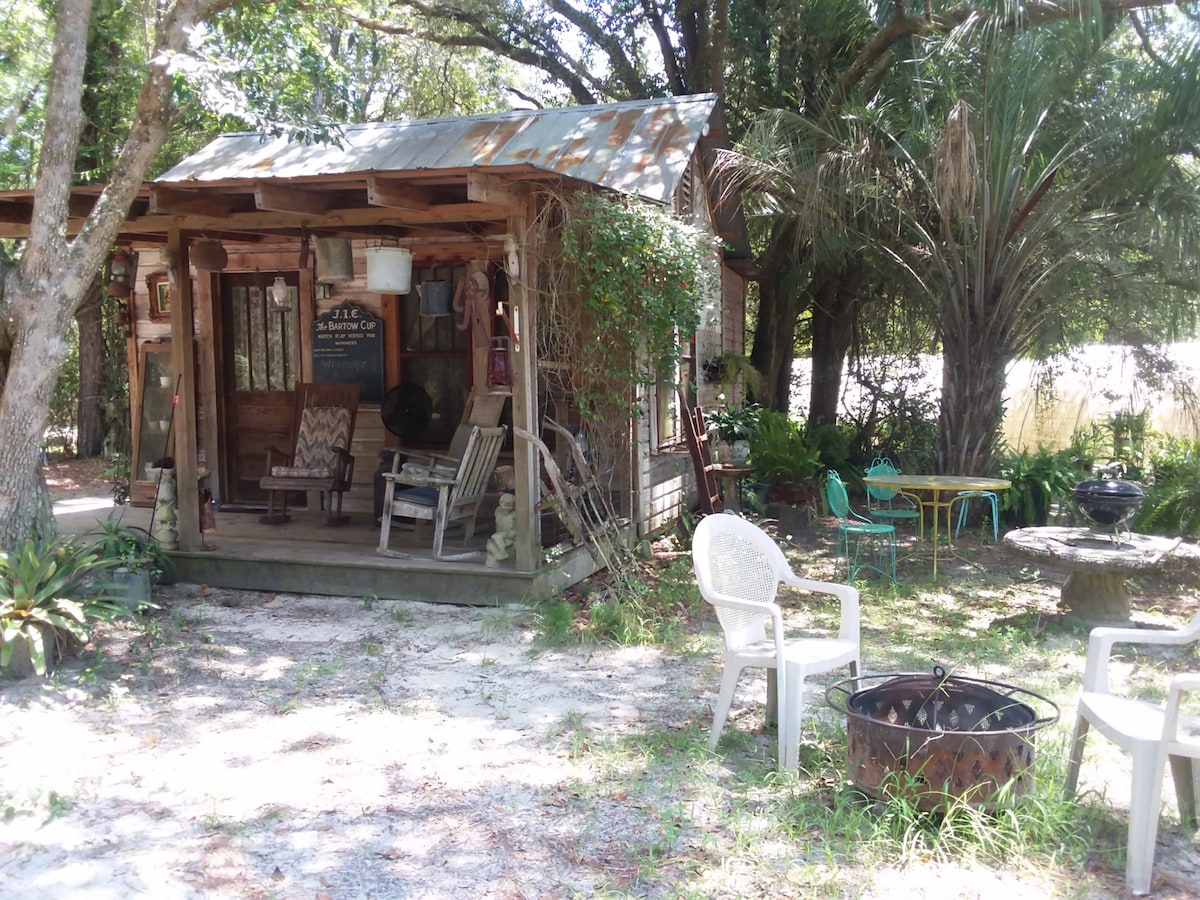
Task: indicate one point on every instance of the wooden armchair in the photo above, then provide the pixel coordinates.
(441, 497)
(323, 427)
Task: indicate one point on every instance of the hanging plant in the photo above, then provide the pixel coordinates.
(641, 277)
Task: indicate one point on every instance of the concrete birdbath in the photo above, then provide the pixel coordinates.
(1098, 564)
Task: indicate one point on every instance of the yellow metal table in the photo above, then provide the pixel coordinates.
(933, 490)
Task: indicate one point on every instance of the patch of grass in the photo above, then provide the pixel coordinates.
(215, 823)
(814, 824)
(642, 605)
(282, 707)
(37, 802)
(97, 667)
(556, 622)
(56, 805)
(313, 672)
(827, 836)
(400, 613)
(571, 726)
(500, 622)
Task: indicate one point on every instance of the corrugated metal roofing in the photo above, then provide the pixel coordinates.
(640, 147)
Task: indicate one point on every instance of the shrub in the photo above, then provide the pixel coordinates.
(1172, 504)
(49, 597)
(1039, 480)
(782, 453)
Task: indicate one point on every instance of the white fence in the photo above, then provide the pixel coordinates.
(1045, 402)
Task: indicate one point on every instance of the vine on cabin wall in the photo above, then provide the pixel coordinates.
(623, 283)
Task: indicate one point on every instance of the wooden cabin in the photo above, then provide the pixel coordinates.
(259, 263)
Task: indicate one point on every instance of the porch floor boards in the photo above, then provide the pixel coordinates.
(307, 556)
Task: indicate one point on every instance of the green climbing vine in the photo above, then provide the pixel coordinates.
(641, 276)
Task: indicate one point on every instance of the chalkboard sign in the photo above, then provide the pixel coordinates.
(347, 346)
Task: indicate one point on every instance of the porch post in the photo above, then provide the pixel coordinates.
(520, 261)
(183, 363)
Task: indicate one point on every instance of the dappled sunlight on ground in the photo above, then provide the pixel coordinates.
(252, 744)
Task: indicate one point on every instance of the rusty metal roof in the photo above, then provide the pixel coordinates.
(640, 147)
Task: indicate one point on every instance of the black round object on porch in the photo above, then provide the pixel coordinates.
(406, 411)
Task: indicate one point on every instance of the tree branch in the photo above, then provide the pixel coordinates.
(665, 47)
(623, 68)
(903, 25)
(540, 52)
(1147, 47)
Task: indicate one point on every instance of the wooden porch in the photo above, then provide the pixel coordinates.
(306, 556)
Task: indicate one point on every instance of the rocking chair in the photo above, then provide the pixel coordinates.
(323, 425)
(442, 497)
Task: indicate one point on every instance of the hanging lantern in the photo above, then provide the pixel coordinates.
(120, 267)
(209, 255)
(499, 372)
(281, 298)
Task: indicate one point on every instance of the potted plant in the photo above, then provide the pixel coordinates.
(1129, 430)
(785, 458)
(735, 426)
(48, 594)
(135, 562)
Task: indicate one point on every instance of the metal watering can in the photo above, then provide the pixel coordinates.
(435, 298)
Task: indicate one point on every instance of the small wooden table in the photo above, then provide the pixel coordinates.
(729, 475)
(935, 486)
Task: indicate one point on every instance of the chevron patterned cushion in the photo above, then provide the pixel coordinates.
(321, 429)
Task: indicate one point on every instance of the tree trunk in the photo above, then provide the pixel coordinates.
(92, 427)
(41, 298)
(834, 312)
(972, 405)
(38, 353)
(779, 308)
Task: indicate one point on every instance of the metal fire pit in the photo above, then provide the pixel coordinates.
(938, 739)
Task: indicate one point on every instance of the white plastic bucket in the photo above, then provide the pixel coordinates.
(389, 270)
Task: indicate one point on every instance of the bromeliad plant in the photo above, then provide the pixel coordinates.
(49, 596)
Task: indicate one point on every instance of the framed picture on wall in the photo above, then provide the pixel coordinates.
(160, 295)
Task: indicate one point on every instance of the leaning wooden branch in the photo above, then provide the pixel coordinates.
(583, 508)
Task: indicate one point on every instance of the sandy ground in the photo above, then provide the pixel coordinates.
(307, 747)
(254, 745)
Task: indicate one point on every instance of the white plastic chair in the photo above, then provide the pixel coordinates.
(1151, 733)
(739, 569)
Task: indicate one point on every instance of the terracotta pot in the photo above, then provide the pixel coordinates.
(794, 494)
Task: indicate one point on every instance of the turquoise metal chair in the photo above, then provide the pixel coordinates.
(963, 498)
(879, 538)
(889, 505)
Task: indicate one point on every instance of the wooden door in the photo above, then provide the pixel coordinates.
(260, 363)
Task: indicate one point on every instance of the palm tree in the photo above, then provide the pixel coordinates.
(1053, 153)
